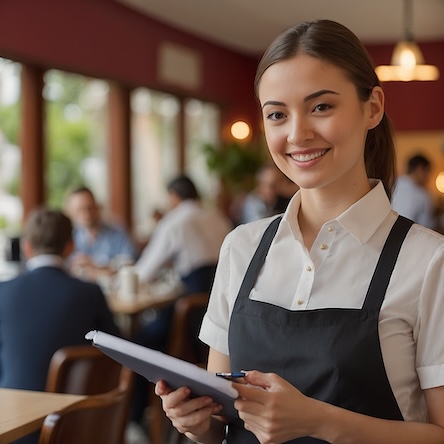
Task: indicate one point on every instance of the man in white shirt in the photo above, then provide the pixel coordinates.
(188, 237)
(411, 198)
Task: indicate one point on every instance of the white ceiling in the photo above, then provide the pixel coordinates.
(250, 25)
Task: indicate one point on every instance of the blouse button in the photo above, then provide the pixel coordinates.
(324, 247)
(308, 268)
(330, 229)
(300, 302)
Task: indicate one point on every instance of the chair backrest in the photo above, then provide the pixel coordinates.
(187, 318)
(183, 343)
(98, 419)
(82, 370)
(85, 370)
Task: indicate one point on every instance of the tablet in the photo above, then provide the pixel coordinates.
(155, 366)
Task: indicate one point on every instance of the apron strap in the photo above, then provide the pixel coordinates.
(386, 263)
(259, 258)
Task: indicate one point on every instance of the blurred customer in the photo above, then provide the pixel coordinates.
(189, 238)
(285, 190)
(45, 308)
(97, 243)
(261, 202)
(411, 198)
(272, 192)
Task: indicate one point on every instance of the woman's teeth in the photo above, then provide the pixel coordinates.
(308, 157)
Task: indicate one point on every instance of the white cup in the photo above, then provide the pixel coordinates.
(128, 283)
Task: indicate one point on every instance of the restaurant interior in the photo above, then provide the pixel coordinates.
(122, 95)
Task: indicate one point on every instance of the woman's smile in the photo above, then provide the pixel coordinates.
(307, 157)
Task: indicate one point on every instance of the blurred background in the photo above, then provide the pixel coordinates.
(123, 95)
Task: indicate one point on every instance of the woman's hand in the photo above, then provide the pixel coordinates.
(188, 415)
(272, 409)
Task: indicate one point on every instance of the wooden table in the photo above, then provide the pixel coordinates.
(23, 411)
(144, 300)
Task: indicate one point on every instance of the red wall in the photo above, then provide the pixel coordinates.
(414, 105)
(104, 39)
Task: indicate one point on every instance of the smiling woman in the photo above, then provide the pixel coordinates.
(334, 312)
(313, 132)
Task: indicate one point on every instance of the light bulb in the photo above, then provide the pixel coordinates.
(440, 182)
(240, 130)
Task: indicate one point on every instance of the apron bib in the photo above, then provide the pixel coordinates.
(330, 354)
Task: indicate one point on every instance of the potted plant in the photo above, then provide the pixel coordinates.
(235, 164)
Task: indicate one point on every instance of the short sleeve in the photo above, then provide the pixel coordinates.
(430, 347)
(214, 329)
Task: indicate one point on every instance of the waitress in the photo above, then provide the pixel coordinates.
(333, 309)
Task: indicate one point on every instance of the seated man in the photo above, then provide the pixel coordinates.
(45, 308)
(411, 198)
(189, 237)
(97, 243)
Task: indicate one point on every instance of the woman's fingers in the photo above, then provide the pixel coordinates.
(186, 414)
(161, 388)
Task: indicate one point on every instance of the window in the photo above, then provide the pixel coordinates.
(77, 127)
(155, 142)
(202, 123)
(11, 209)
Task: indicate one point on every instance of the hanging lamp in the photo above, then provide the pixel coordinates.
(407, 61)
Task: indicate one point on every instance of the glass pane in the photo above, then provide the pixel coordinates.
(154, 154)
(11, 209)
(77, 120)
(202, 126)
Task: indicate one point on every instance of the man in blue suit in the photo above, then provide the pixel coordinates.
(45, 308)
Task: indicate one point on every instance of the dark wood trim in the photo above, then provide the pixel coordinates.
(32, 184)
(182, 137)
(120, 152)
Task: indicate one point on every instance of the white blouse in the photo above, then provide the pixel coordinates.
(336, 272)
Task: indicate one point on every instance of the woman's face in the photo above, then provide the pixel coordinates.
(315, 124)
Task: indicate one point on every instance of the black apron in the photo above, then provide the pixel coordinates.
(330, 354)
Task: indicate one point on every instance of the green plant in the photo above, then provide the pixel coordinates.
(234, 163)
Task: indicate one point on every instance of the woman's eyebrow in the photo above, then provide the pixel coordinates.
(319, 93)
(306, 99)
(272, 102)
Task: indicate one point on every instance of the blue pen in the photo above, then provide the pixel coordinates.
(231, 375)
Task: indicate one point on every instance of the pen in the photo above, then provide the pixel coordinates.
(231, 375)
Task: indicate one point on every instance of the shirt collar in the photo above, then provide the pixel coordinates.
(361, 220)
(44, 260)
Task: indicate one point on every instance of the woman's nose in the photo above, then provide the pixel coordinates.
(300, 131)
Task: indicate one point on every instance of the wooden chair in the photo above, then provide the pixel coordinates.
(82, 370)
(98, 419)
(85, 370)
(183, 344)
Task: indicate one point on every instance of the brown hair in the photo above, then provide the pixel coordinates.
(48, 231)
(336, 44)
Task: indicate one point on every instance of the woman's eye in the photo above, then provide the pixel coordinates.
(322, 107)
(277, 115)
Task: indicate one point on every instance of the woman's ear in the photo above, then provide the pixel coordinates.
(376, 102)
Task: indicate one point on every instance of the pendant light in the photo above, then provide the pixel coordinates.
(407, 60)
